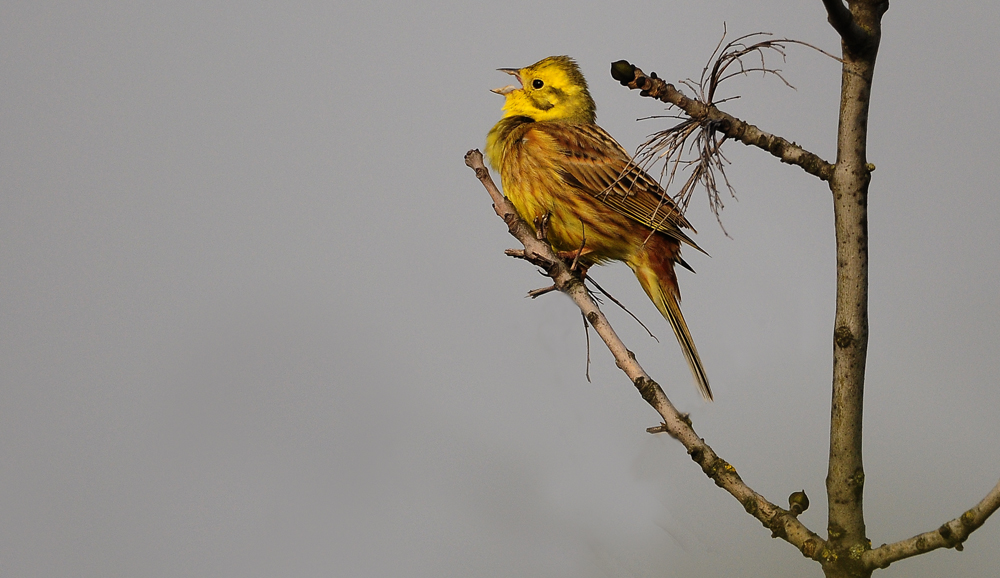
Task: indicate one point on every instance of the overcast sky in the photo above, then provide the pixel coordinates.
(257, 320)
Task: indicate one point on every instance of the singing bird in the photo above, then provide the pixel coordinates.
(555, 162)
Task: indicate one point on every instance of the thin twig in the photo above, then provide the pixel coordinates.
(583, 244)
(698, 136)
(620, 304)
(734, 128)
(536, 293)
(951, 534)
(692, 144)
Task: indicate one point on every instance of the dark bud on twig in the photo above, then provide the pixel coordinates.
(798, 502)
(623, 72)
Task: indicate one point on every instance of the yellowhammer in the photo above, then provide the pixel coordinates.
(555, 162)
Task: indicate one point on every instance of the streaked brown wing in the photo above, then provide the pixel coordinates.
(593, 162)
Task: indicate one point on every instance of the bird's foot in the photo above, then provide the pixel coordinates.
(573, 259)
(542, 227)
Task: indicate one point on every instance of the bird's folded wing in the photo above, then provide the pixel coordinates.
(593, 162)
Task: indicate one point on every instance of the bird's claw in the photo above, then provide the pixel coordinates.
(542, 226)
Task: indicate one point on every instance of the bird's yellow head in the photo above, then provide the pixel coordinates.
(551, 89)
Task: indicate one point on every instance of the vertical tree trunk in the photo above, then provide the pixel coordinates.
(846, 477)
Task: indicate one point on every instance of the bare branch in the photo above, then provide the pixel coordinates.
(843, 22)
(858, 39)
(622, 306)
(782, 523)
(849, 186)
(710, 117)
(536, 293)
(693, 145)
(839, 16)
(950, 535)
(732, 54)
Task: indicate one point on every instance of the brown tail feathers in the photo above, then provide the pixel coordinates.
(654, 267)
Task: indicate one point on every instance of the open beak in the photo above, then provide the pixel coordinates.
(510, 87)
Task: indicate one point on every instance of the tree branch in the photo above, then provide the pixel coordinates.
(782, 523)
(633, 77)
(846, 477)
(840, 17)
(843, 22)
(950, 535)
(857, 39)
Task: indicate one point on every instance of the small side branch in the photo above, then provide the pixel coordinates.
(782, 523)
(633, 77)
(950, 535)
(623, 308)
(843, 22)
(856, 39)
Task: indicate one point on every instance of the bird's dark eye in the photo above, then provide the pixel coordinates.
(537, 83)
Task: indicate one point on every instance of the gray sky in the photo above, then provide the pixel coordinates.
(257, 319)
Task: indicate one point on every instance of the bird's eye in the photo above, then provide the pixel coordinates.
(537, 83)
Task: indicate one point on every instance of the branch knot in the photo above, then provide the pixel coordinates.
(843, 337)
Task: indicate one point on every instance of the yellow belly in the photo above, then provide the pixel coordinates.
(575, 219)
